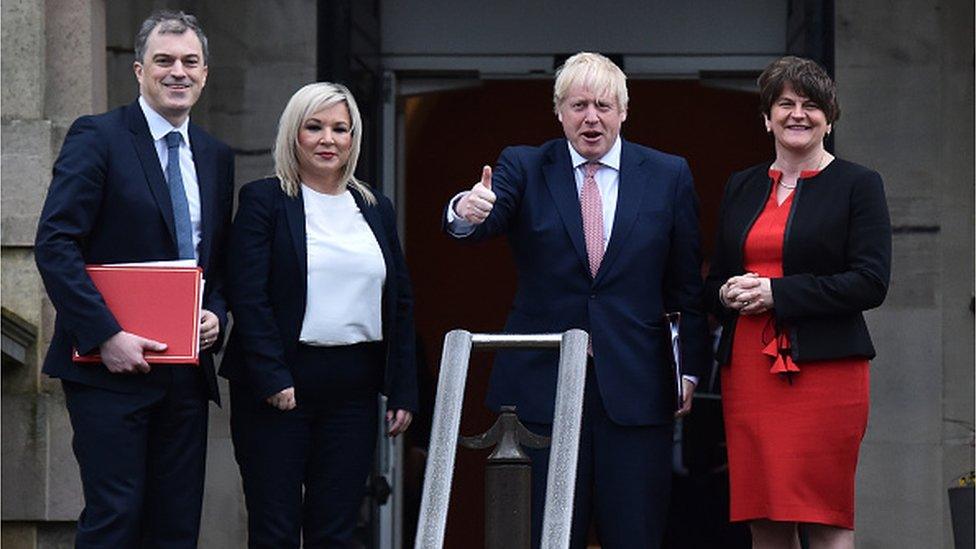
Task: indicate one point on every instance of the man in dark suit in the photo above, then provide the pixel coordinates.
(139, 183)
(604, 234)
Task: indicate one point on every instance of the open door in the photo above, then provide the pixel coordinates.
(449, 132)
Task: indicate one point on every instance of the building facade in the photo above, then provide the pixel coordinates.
(905, 80)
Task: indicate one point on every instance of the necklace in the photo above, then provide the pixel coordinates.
(823, 156)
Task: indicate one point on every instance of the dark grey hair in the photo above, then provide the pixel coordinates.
(169, 22)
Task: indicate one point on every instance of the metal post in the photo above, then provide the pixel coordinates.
(561, 480)
(557, 520)
(508, 480)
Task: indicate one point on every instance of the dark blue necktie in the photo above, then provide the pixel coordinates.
(177, 194)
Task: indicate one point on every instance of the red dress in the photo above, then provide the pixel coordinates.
(793, 430)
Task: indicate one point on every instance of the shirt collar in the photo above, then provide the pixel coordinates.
(159, 126)
(611, 159)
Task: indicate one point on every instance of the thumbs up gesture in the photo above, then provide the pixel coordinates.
(477, 203)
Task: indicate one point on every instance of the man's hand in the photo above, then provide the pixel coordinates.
(123, 353)
(209, 329)
(689, 387)
(397, 421)
(283, 400)
(475, 206)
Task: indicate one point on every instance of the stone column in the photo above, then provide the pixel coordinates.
(905, 80)
(53, 71)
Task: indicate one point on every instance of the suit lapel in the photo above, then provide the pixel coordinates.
(634, 178)
(146, 151)
(558, 173)
(295, 214)
(751, 202)
(206, 167)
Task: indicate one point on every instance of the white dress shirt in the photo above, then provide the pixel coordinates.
(158, 128)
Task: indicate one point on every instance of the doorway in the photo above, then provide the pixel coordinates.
(448, 136)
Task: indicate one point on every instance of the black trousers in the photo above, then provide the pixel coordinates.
(142, 458)
(305, 470)
(623, 478)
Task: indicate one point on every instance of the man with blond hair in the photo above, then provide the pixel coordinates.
(605, 237)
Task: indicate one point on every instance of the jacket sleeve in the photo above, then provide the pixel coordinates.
(71, 209)
(507, 182)
(864, 283)
(248, 278)
(683, 282)
(216, 301)
(402, 351)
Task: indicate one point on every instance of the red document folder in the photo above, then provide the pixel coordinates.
(160, 303)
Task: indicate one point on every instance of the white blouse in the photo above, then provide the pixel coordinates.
(346, 271)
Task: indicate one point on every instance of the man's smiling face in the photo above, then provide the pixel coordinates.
(172, 74)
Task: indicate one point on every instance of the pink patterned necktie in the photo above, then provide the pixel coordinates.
(591, 206)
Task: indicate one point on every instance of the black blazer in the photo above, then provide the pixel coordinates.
(267, 290)
(836, 258)
(109, 203)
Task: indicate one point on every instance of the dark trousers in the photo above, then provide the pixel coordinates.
(623, 478)
(305, 470)
(142, 459)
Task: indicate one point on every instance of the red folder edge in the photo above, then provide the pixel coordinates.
(183, 350)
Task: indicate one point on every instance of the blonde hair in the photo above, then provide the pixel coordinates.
(307, 101)
(593, 72)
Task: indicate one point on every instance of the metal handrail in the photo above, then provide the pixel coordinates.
(567, 415)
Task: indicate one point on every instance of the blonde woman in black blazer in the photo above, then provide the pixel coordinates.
(322, 324)
(803, 248)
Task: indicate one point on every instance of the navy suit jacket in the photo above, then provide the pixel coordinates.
(109, 203)
(651, 266)
(267, 287)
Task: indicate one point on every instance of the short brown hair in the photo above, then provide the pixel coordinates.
(806, 77)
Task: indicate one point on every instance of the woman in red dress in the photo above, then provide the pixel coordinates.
(803, 248)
